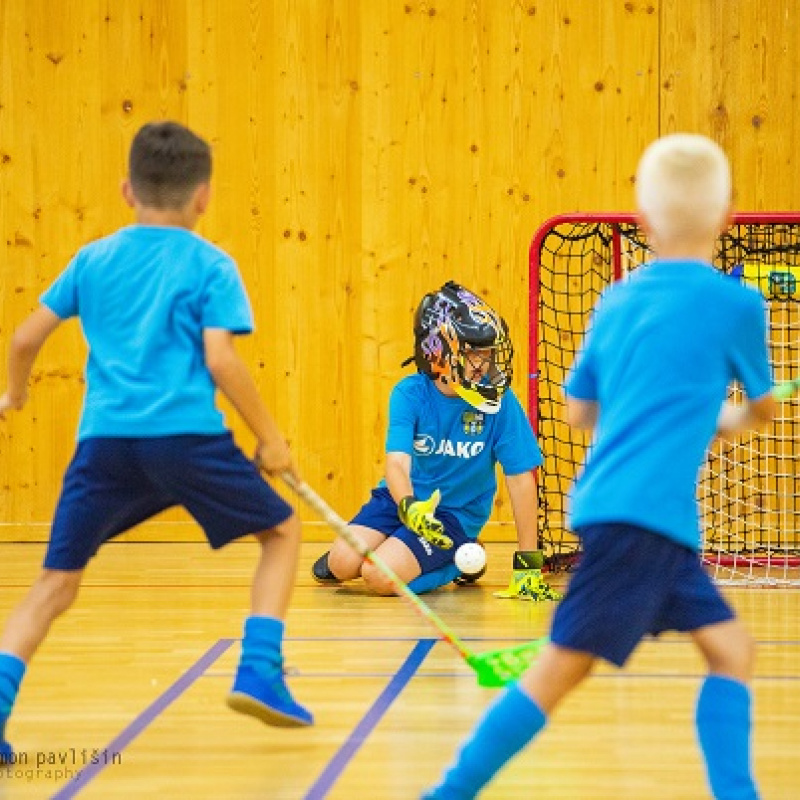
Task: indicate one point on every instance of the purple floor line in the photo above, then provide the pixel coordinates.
(157, 707)
(345, 753)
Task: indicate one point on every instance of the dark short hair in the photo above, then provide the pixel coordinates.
(167, 162)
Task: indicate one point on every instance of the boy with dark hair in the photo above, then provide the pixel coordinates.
(159, 307)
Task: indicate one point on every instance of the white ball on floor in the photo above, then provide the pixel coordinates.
(470, 558)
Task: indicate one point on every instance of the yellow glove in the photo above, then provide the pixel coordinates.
(418, 516)
(527, 582)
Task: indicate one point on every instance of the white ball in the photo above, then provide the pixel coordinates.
(470, 558)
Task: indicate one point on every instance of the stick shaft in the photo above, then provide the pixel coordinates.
(354, 540)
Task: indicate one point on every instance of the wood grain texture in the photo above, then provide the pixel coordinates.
(729, 70)
(364, 153)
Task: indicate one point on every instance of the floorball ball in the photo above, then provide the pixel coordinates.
(470, 558)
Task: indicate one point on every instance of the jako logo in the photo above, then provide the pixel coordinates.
(425, 446)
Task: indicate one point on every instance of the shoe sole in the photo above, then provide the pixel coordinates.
(326, 581)
(245, 704)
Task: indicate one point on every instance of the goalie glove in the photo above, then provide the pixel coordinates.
(527, 582)
(418, 516)
(525, 560)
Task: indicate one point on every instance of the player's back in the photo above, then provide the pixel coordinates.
(672, 327)
(144, 296)
(664, 347)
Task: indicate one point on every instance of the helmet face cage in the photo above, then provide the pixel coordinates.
(461, 339)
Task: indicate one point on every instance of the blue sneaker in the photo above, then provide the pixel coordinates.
(440, 793)
(267, 699)
(6, 753)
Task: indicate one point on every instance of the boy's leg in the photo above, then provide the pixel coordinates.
(104, 493)
(376, 520)
(414, 560)
(12, 670)
(225, 492)
(274, 578)
(52, 594)
(723, 713)
(512, 721)
(343, 563)
(259, 688)
(398, 557)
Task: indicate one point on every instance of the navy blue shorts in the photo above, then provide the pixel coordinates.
(631, 582)
(380, 514)
(114, 483)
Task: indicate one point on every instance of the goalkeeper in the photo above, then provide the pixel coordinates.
(449, 425)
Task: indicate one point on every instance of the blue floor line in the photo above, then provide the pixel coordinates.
(151, 713)
(361, 732)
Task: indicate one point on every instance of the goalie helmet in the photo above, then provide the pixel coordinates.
(459, 338)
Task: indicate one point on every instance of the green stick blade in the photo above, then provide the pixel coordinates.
(783, 391)
(497, 668)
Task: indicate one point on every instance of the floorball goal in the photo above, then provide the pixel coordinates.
(749, 492)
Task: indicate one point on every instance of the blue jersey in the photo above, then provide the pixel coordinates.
(663, 348)
(144, 296)
(454, 447)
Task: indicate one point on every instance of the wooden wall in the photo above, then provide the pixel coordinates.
(366, 151)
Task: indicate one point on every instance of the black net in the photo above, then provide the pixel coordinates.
(749, 491)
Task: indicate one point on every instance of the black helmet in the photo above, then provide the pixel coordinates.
(449, 326)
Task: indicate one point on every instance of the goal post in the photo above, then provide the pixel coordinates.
(749, 487)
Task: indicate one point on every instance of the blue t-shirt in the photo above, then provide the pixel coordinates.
(662, 350)
(454, 447)
(143, 296)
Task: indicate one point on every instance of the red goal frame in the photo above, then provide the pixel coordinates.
(613, 240)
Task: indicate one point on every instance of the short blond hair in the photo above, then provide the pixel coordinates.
(683, 187)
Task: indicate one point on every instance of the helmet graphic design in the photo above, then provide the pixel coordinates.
(458, 337)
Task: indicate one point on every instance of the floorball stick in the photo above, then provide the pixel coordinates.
(494, 668)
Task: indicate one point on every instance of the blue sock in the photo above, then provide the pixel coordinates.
(434, 579)
(12, 668)
(507, 726)
(722, 717)
(262, 644)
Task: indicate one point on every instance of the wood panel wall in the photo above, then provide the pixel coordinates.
(365, 151)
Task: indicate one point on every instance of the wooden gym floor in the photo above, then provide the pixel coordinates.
(126, 698)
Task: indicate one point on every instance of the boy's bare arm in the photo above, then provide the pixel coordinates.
(580, 414)
(398, 475)
(25, 345)
(233, 379)
(416, 514)
(522, 493)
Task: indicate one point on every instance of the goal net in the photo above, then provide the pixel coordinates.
(749, 489)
